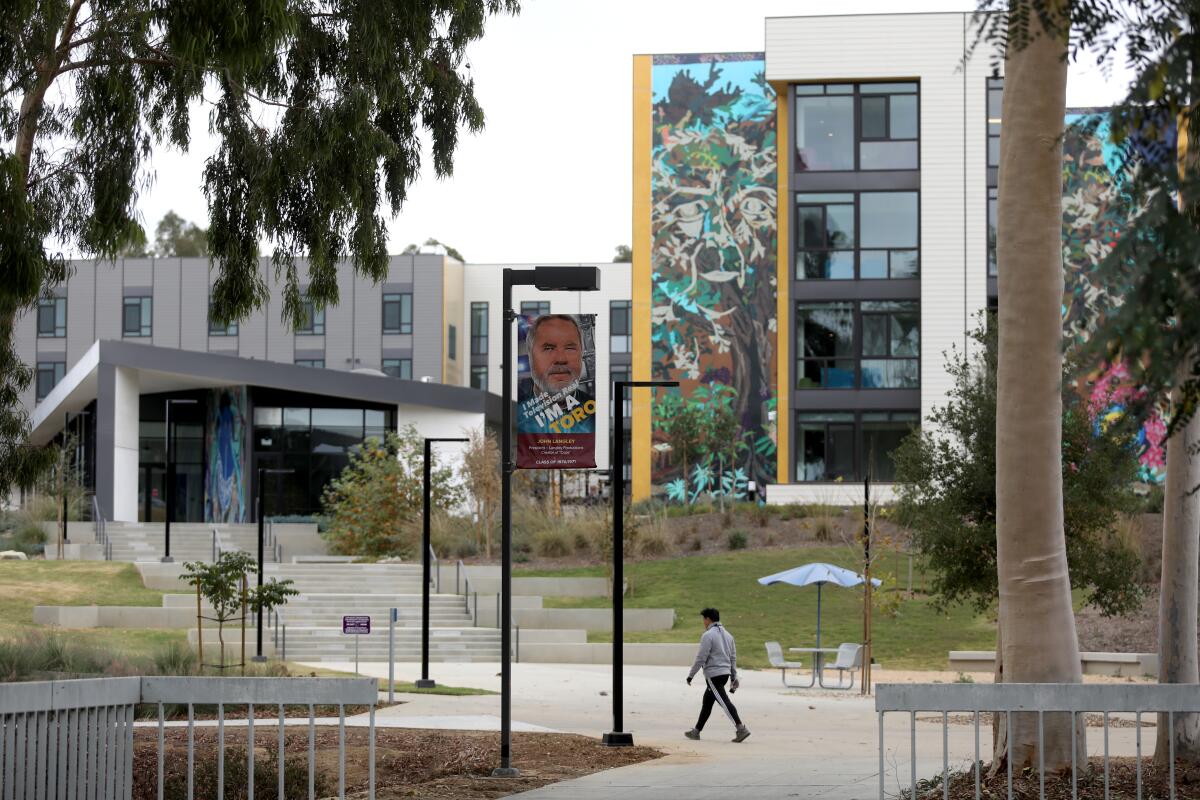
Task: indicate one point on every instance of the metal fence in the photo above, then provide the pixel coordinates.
(1029, 698)
(73, 739)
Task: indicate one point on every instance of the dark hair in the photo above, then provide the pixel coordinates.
(711, 613)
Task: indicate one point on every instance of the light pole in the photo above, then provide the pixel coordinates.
(170, 480)
(66, 528)
(261, 508)
(618, 737)
(426, 565)
(546, 279)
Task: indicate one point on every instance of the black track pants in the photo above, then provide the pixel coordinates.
(715, 693)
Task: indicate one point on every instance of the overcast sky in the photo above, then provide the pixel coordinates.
(549, 178)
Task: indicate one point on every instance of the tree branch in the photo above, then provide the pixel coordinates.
(110, 62)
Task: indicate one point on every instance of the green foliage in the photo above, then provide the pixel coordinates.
(431, 242)
(704, 432)
(737, 539)
(946, 480)
(624, 254)
(374, 506)
(223, 584)
(176, 237)
(321, 110)
(553, 542)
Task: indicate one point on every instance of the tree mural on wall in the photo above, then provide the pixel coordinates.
(713, 228)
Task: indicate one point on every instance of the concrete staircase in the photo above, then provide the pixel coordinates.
(329, 591)
(190, 541)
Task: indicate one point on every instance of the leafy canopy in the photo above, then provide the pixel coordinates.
(374, 505)
(318, 107)
(946, 481)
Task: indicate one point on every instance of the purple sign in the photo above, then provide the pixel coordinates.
(356, 624)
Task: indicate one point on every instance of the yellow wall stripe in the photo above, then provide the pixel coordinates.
(783, 284)
(642, 125)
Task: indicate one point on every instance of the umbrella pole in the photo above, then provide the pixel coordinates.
(818, 616)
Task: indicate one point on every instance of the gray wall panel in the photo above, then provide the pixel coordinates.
(81, 309)
(193, 315)
(167, 303)
(108, 300)
(427, 318)
(339, 322)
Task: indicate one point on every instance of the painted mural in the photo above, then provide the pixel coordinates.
(225, 477)
(713, 251)
(1096, 210)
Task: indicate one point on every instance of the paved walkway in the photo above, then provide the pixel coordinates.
(804, 744)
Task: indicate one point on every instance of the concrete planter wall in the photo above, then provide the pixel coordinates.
(667, 655)
(1125, 665)
(595, 619)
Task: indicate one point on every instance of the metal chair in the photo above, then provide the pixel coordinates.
(775, 656)
(849, 659)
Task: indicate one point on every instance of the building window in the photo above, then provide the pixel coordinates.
(995, 97)
(397, 313)
(452, 342)
(49, 373)
(216, 328)
(535, 308)
(992, 216)
(398, 368)
(137, 317)
(620, 373)
(52, 317)
(844, 445)
(479, 378)
(867, 345)
(847, 235)
(319, 363)
(619, 326)
(313, 321)
(847, 127)
(479, 329)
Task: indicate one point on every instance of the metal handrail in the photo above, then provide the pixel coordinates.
(469, 596)
(101, 528)
(436, 577)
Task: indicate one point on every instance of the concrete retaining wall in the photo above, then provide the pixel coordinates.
(666, 655)
(233, 645)
(546, 587)
(1126, 665)
(77, 532)
(115, 616)
(84, 551)
(594, 619)
(299, 539)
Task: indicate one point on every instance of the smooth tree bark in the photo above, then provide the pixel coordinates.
(1039, 641)
(1177, 649)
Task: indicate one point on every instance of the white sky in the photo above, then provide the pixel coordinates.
(549, 178)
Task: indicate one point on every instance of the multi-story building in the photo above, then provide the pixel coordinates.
(118, 342)
(813, 231)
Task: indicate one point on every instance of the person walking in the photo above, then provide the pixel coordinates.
(717, 658)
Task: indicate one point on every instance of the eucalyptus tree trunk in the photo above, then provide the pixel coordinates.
(1177, 651)
(1039, 640)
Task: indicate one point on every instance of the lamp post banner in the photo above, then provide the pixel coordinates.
(556, 392)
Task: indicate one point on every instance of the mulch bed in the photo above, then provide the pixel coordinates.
(409, 763)
(262, 713)
(1122, 783)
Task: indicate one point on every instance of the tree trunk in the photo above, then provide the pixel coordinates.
(1040, 644)
(1177, 651)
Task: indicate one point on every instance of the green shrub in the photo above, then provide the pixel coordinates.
(1152, 499)
(761, 515)
(553, 543)
(737, 539)
(175, 658)
(697, 544)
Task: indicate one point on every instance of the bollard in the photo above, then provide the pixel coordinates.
(392, 656)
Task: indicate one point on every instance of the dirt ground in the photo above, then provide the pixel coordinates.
(409, 763)
(1122, 783)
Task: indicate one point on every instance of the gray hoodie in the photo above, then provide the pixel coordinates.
(717, 655)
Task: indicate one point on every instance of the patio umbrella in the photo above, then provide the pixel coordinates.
(820, 574)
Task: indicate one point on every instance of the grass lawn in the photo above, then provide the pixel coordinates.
(25, 584)
(918, 637)
(402, 687)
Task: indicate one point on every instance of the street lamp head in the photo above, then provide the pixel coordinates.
(567, 279)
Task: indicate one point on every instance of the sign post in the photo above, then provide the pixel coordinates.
(356, 625)
(618, 736)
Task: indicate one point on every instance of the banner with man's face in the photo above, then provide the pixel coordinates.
(556, 392)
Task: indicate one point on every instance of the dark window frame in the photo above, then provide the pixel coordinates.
(623, 308)
(479, 328)
(476, 372)
(856, 338)
(54, 330)
(217, 329)
(404, 321)
(994, 86)
(314, 319)
(857, 249)
(856, 421)
(315, 363)
(57, 370)
(800, 91)
(452, 341)
(145, 329)
(397, 364)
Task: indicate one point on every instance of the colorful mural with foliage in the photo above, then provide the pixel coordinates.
(713, 251)
(225, 477)
(1096, 211)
